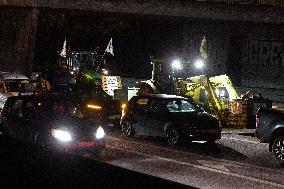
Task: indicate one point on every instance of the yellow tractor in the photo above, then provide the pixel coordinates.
(214, 94)
(218, 96)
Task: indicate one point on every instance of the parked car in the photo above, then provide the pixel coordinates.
(270, 129)
(52, 121)
(13, 84)
(174, 117)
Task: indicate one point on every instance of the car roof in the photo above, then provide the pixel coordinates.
(12, 75)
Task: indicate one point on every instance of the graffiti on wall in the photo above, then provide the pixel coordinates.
(265, 53)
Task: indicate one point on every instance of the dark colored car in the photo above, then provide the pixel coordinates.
(110, 108)
(109, 113)
(52, 121)
(270, 129)
(169, 116)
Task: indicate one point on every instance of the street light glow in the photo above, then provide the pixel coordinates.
(199, 64)
(176, 64)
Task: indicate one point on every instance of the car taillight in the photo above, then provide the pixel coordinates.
(257, 117)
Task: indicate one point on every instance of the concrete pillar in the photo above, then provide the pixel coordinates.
(17, 39)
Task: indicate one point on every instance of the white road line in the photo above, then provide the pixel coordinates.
(240, 140)
(200, 156)
(203, 168)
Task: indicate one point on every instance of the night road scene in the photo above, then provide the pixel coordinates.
(142, 94)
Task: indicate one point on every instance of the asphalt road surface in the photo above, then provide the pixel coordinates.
(25, 166)
(236, 161)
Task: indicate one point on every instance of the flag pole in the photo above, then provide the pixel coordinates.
(109, 49)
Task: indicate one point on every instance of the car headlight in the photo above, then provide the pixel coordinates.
(100, 133)
(61, 135)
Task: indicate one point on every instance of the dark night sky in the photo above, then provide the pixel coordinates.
(135, 38)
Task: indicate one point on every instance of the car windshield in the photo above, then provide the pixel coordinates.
(180, 105)
(90, 91)
(13, 85)
(17, 85)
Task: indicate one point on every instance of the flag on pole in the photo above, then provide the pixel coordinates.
(110, 47)
(203, 50)
(63, 50)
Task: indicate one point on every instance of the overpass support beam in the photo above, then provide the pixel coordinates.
(18, 36)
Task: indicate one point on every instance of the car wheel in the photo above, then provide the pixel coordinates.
(278, 149)
(127, 128)
(172, 136)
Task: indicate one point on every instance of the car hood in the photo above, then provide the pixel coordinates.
(78, 127)
(195, 119)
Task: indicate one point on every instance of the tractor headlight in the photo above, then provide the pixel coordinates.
(100, 133)
(61, 135)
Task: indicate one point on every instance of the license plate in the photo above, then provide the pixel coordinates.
(114, 117)
(85, 144)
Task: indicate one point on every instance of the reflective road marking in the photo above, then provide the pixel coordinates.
(202, 167)
(242, 140)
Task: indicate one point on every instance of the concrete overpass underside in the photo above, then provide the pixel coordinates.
(244, 41)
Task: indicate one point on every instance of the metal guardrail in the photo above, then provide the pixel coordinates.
(278, 3)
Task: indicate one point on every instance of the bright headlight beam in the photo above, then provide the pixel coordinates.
(100, 133)
(61, 135)
(199, 64)
(176, 64)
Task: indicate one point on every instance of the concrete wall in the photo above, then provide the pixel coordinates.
(194, 9)
(17, 34)
(252, 54)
